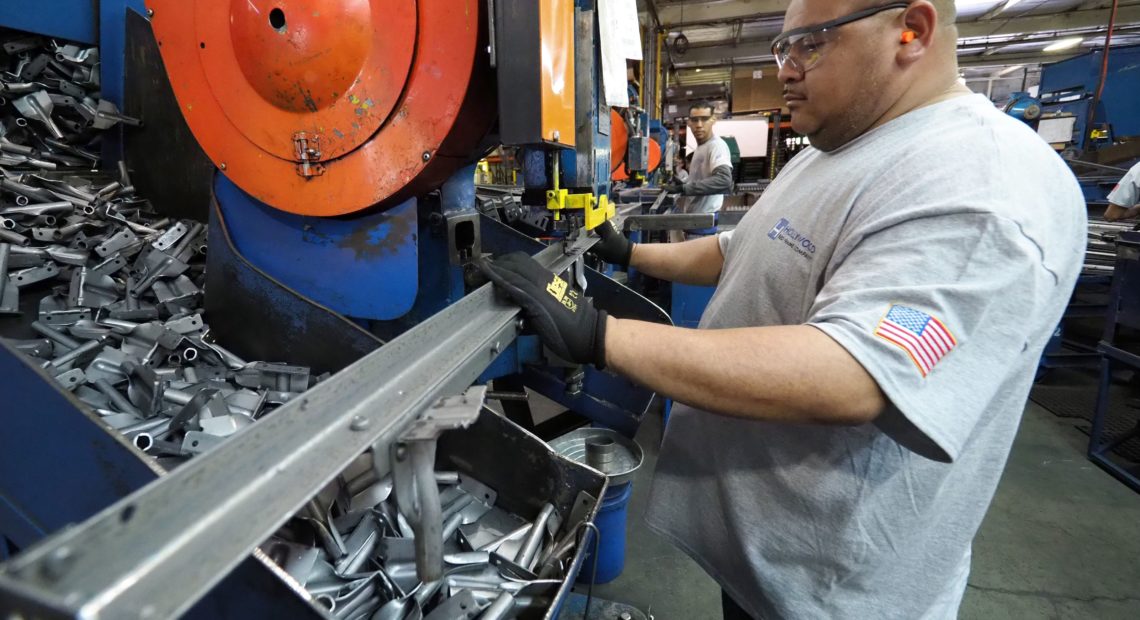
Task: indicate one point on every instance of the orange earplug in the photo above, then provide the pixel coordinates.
(908, 36)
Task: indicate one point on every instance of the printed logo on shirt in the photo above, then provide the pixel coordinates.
(778, 228)
(924, 338)
(799, 242)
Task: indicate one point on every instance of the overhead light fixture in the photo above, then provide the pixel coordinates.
(698, 70)
(1008, 70)
(994, 8)
(1064, 44)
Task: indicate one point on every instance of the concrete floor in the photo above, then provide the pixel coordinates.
(1061, 540)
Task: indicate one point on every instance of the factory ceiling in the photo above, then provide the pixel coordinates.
(994, 34)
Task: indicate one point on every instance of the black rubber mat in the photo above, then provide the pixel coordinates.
(1072, 395)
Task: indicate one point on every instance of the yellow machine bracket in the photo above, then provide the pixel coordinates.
(598, 210)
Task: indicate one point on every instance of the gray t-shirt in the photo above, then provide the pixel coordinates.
(940, 250)
(708, 157)
(1127, 193)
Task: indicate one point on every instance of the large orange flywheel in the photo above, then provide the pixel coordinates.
(329, 107)
(619, 146)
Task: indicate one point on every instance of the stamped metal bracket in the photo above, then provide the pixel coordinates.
(413, 471)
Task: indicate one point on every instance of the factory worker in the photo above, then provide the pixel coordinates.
(848, 403)
(1124, 201)
(710, 171)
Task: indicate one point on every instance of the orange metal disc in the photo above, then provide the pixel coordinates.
(392, 93)
(336, 71)
(619, 145)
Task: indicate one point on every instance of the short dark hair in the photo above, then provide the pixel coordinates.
(702, 105)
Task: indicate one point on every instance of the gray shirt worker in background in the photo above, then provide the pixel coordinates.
(1124, 199)
(710, 173)
(855, 385)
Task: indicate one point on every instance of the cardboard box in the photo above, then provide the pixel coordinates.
(751, 93)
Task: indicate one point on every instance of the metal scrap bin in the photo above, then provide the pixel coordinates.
(526, 473)
(60, 465)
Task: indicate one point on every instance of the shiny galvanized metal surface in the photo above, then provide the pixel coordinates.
(626, 453)
(195, 525)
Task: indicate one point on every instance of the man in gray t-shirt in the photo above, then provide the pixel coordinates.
(710, 173)
(854, 388)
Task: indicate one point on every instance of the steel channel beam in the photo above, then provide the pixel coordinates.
(672, 221)
(157, 551)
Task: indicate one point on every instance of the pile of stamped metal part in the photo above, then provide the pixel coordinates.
(1100, 257)
(353, 550)
(119, 293)
(50, 103)
(117, 289)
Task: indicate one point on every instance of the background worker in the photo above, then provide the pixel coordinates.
(1124, 199)
(710, 172)
(852, 393)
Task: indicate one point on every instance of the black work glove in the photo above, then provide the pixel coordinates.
(564, 319)
(614, 248)
(674, 188)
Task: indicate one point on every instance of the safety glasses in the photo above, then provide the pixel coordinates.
(802, 49)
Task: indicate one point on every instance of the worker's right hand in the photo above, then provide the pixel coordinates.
(614, 248)
(564, 318)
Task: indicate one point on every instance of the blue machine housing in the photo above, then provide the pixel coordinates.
(1070, 85)
(68, 19)
(365, 268)
(1024, 107)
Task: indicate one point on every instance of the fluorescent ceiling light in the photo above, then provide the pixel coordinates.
(698, 70)
(1065, 44)
(1008, 70)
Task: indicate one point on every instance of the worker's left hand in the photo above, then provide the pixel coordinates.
(564, 319)
(614, 248)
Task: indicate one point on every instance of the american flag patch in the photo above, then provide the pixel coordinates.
(925, 339)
